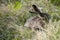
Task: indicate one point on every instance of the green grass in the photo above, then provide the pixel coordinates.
(12, 24)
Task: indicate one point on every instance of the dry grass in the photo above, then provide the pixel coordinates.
(11, 23)
(50, 33)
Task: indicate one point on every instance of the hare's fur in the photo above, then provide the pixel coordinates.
(38, 21)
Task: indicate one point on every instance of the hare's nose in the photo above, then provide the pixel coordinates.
(29, 11)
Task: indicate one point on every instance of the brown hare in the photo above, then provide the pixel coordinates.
(36, 22)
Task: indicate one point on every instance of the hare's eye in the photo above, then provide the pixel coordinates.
(32, 9)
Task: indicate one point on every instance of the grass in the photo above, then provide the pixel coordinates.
(12, 24)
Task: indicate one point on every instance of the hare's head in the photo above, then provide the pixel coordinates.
(36, 10)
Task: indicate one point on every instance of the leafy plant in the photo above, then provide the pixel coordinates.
(16, 6)
(55, 2)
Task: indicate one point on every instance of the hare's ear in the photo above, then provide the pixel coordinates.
(35, 8)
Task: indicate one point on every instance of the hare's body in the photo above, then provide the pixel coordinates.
(36, 22)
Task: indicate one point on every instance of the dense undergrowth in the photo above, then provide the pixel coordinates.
(14, 15)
